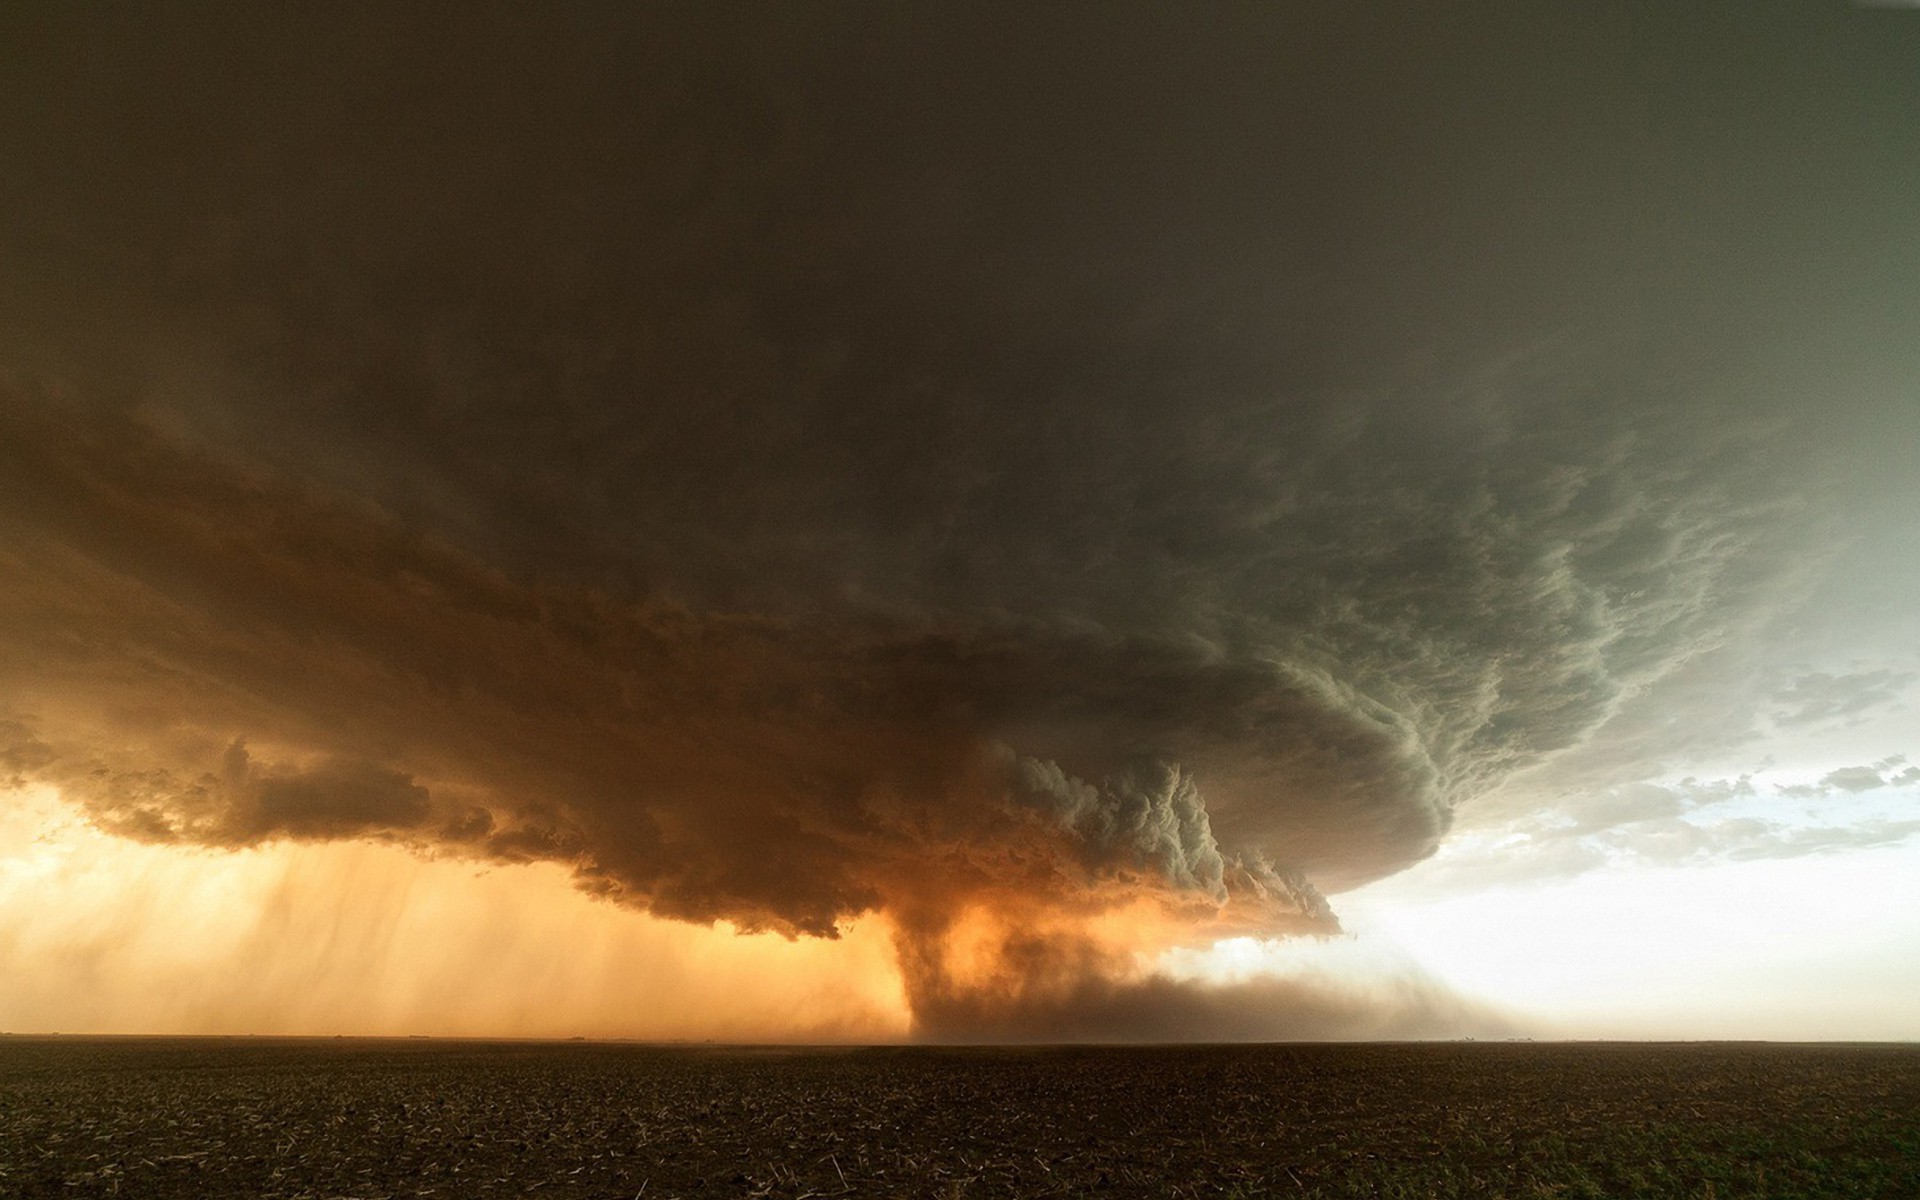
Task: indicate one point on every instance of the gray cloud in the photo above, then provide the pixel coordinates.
(792, 768)
(242, 804)
(1748, 838)
(1854, 779)
(1666, 825)
(1150, 811)
(1819, 697)
(786, 470)
(1531, 857)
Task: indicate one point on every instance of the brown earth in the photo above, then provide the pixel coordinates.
(167, 1118)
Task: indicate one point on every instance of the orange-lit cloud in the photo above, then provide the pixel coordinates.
(1020, 515)
(309, 673)
(99, 934)
(200, 654)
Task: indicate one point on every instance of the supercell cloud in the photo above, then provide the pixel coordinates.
(984, 472)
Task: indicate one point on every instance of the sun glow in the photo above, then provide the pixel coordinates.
(1342, 962)
(1819, 946)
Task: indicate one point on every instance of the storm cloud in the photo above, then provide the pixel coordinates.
(789, 468)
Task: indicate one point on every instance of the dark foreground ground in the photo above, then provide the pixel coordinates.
(257, 1118)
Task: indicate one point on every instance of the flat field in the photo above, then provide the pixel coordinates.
(333, 1118)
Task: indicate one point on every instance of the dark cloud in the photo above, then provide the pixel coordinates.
(787, 466)
(1151, 812)
(21, 754)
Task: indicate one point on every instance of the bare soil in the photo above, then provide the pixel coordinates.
(168, 1118)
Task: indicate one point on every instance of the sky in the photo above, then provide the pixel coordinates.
(961, 523)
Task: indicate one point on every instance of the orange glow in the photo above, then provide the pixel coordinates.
(1006, 946)
(99, 934)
